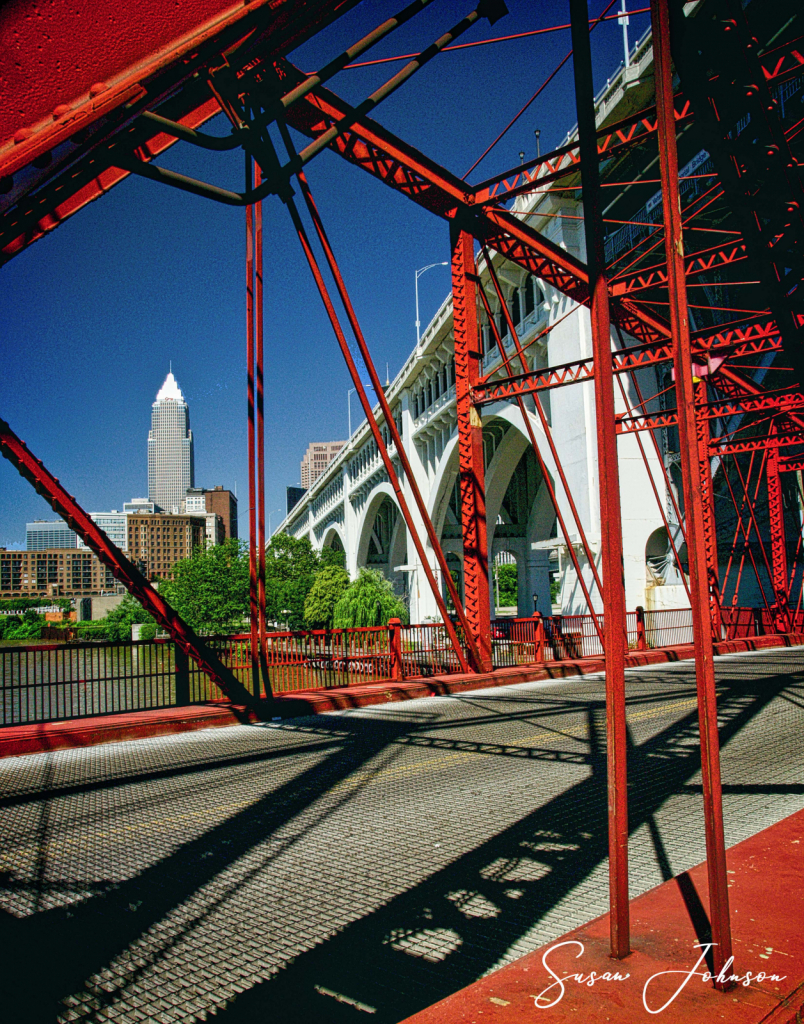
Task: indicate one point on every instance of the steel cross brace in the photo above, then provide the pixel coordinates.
(786, 401)
(777, 65)
(779, 578)
(626, 360)
(65, 505)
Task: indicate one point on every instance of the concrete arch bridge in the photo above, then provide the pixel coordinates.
(353, 507)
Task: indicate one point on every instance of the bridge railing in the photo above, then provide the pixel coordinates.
(49, 682)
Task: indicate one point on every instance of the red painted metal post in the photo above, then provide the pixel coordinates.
(253, 601)
(703, 436)
(260, 425)
(690, 471)
(65, 505)
(395, 648)
(642, 643)
(779, 576)
(611, 540)
(538, 637)
(470, 444)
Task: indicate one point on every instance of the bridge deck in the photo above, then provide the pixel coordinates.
(362, 864)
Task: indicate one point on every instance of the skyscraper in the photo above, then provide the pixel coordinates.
(170, 448)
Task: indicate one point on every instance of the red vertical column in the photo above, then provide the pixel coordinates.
(702, 434)
(611, 538)
(252, 483)
(260, 422)
(780, 579)
(690, 475)
(470, 445)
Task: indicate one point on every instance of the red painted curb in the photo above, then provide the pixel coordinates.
(766, 895)
(85, 732)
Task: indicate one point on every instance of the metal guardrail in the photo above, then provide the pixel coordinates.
(50, 682)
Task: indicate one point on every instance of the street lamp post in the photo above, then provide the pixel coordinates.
(270, 516)
(349, 393)
(419, 273)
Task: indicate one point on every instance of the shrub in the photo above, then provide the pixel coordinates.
(369, 601)
(328, 587)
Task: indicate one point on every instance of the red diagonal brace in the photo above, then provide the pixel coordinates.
(390, 424)
(65, 505)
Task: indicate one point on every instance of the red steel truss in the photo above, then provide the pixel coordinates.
(735, 385)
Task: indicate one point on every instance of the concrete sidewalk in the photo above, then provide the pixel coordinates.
(669, 925)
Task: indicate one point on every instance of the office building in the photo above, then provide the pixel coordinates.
(224, 503)
(140, 505)
(316, 459)
(113, 525)
(170, 448)
(54, 572)
(156, 541)
(294, 496)
(44, 533)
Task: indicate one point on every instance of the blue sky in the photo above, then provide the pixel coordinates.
(94, 312)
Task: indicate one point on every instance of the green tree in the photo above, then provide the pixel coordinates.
(116, 625)
(507, 581)
(328, 587)
(210, 588)
(332, 556)
(290, 569)
(369, 601)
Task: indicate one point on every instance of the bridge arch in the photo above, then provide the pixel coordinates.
(382, 537)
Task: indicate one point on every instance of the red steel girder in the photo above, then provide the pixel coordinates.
(696, 263)
(703, 433)
(729, 446)
(83, 76)
(690, 441)
(377, 151)
(611, 524)
(783, 62)
(785, 400)
(779, 578)
(65, 505)
(471, 466)
(742, 342)
(612, 140)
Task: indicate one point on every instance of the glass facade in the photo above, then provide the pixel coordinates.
(43, 535)
(170, 448)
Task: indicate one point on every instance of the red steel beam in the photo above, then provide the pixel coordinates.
(777, 65)
(753, 340)
(65, 505)
(259, 357)
(389, 421)
(471, 462)
(690, 472)
(753, 444)
(542, 465)
(253, 598)
(779, 578)
(708, 507)
(786, 401)
(611, 540)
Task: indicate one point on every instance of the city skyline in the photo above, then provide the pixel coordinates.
(171, 466)
(91, 344)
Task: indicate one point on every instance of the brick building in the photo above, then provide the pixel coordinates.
(157, 541)
(224, 503)
(316, 459)
(54, 572)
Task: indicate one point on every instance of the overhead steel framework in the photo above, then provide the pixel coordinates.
(730, 362)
